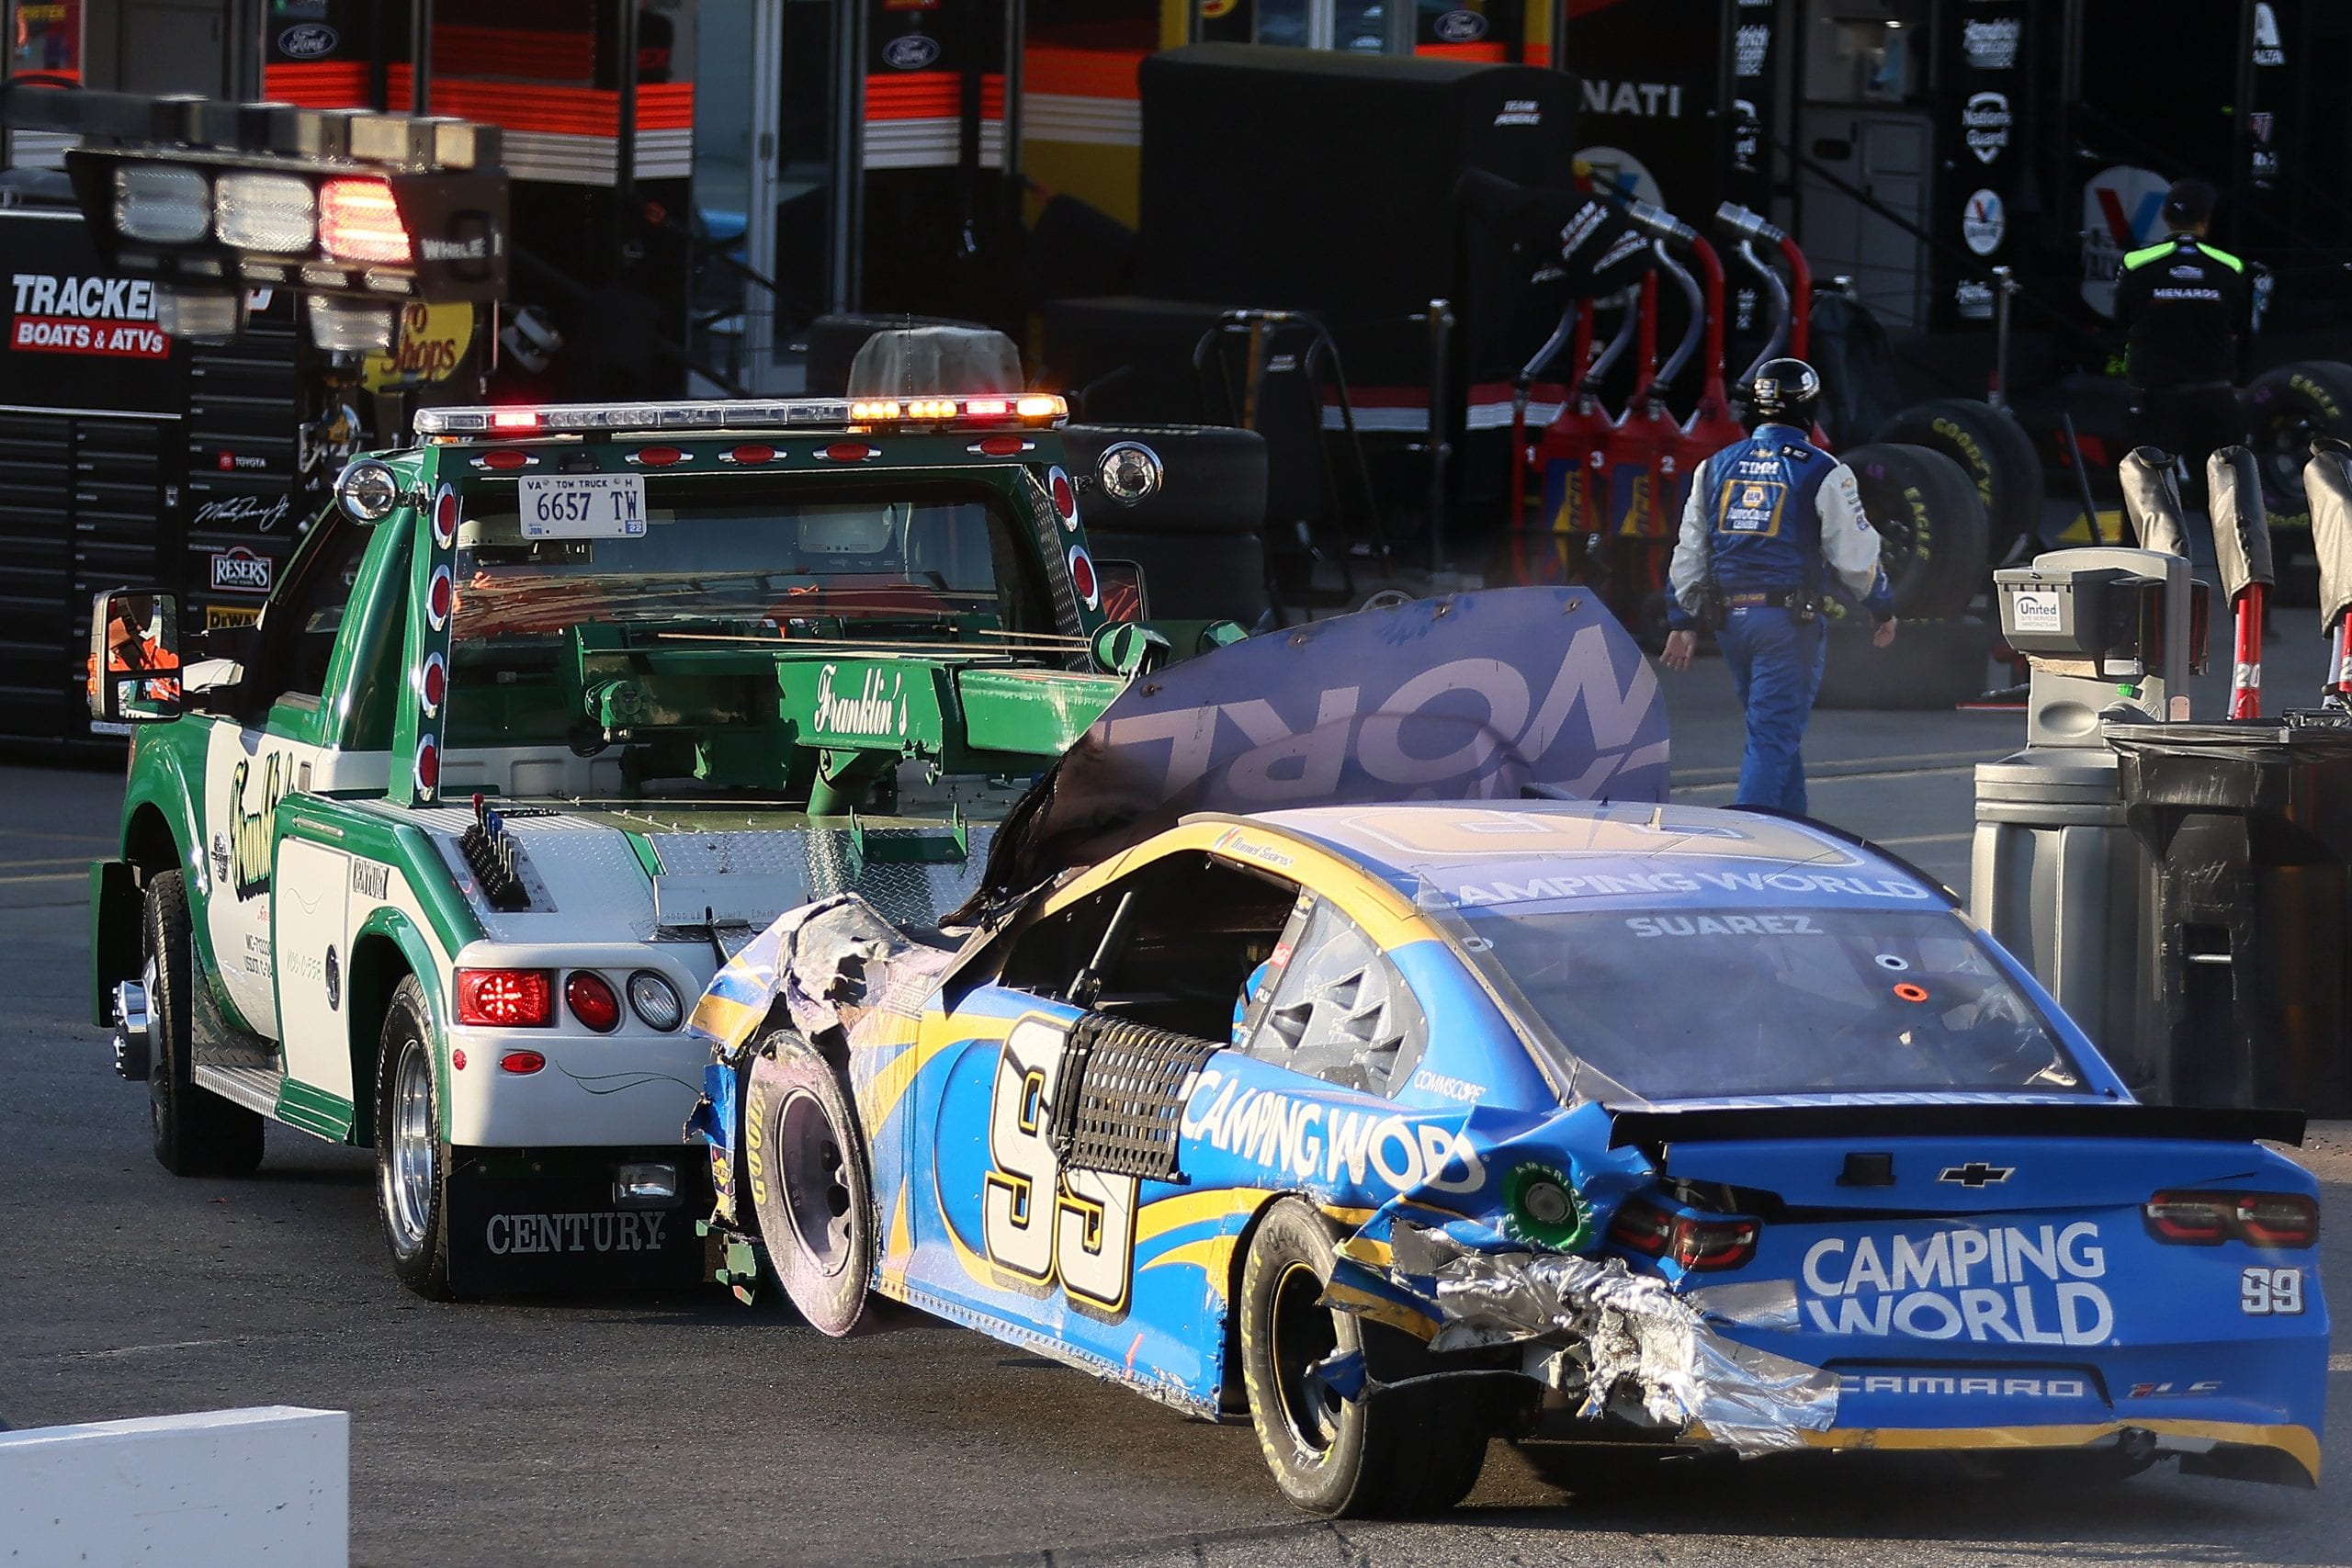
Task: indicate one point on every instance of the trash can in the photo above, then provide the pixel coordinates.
(2249, 826)
(2057, 876)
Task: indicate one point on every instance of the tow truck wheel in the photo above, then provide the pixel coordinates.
(411, 1161)
(1400, 1452)
(811, 1183)
(196, 1132)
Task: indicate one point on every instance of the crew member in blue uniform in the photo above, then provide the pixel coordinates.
(1765, 517)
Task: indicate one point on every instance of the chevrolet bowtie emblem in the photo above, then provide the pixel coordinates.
(1976, 1173)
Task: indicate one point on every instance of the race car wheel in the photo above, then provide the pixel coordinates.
(412, 1160)
(811, 1184)
(1410, 1451)
(196, 1132)
(1932, 524)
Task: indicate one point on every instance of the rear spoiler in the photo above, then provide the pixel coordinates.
(1653, 1131)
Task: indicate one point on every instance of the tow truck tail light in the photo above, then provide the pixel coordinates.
(521, 1062)
(1697, 1242)
(593, 1002)
(2258, 1219)
(506, 999)
(359, 222)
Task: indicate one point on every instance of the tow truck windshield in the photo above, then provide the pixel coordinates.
(1681, 1004)
(846, 561)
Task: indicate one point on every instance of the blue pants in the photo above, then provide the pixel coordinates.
(1776, 662)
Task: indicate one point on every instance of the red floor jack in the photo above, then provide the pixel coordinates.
(1711, 427)
(2327, 479)
(2241, 549)
(1569, 454)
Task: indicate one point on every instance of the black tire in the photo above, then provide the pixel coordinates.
(1992, 450)
(1931, 664)
(1933, 525)
(1411, 1451)
(414, 1216)
(196, 1132)
(2286, 407)
(812, 1184)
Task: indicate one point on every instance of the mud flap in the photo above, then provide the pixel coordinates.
(535, 1222)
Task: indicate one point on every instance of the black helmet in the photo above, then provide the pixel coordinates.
(1784, 391)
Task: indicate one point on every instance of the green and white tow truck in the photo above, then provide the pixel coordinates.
(547, 714)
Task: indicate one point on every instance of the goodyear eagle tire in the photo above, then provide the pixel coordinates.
(812, 1186)
(1410, 1451)
(196, 1132)
(1931, 522)
(2287, 407)
(1992, 450)
(411, 1152)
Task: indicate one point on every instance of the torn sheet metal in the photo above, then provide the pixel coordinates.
(1623, 1337)
(832, 963)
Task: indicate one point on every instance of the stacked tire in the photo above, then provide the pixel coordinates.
(1936, 536)
(2286, 407)
(1993, 451)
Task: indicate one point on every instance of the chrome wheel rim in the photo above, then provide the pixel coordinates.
(408, 1163)
(816, 1184)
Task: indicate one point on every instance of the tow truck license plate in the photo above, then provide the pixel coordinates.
(582, 506)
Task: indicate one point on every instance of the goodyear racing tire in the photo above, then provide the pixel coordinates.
(811, 1183)
(196, 1132)
(2286, 407)
(412, 1154)
(1413, 1451)
(1992, 450)
(1933, 525)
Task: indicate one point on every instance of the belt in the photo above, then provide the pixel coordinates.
(1769, 599)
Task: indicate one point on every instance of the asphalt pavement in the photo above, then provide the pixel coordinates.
(690, 1431)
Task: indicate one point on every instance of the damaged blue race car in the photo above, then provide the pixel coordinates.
(1395, 1127)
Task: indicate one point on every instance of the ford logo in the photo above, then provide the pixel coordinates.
(308, 42)
(1461, 26)
(910, 52)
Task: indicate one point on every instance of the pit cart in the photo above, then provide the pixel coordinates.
(547, 714)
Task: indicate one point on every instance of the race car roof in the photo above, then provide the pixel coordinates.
(1482, 853)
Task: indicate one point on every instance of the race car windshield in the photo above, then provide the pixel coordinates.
(1701, 1004)
(856, 559)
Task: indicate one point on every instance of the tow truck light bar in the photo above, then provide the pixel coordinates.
(715, 413)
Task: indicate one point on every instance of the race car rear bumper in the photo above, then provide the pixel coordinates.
(2283, 1455)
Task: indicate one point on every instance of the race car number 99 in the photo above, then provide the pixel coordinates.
(1040, 1221)
(2268, 1292)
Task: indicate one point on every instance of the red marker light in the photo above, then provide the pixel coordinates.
(457, 1060)
(1065, 495)
(752, 454)
(505, 999)
(1001, 445)
(433, 683)
(657, 456)
(444, 519)
(851, 452)
(521, 1062)
(358, 220)
(593, 1002)
(440, 598)
(428, 765)
(504, 458)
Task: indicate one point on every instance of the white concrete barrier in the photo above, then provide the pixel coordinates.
(221, 1487)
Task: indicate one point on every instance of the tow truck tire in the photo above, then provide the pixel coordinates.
(1415, 1450)
(196, 1132)
(412, 1153)
(2285, 407)
(1991, 448)
(812, 1184)
(1935, 534)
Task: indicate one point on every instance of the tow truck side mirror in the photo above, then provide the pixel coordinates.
(134, 669)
